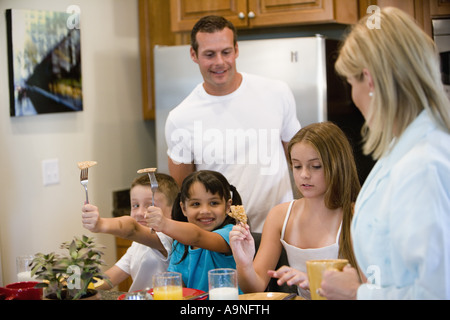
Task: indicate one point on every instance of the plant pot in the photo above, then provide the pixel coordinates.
(91, 295)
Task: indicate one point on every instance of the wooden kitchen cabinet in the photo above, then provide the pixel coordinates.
(263, 13)
(154, 29)
(440, 8)
(122, 246)
(418, 9)
(185, 13)
(289, 12)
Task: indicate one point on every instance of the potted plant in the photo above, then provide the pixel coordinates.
(68, 277)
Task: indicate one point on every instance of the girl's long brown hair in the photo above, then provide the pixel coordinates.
(341, 175)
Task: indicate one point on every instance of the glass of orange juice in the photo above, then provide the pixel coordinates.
(167, 286)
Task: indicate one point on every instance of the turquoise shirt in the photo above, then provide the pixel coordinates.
(194, 268)
(401, 226)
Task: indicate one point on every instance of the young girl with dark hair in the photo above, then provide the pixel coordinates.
(199, 226)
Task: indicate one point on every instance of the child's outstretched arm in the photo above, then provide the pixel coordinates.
(123, 227)
(186, 233)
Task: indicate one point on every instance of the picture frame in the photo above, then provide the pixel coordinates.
(44, 62)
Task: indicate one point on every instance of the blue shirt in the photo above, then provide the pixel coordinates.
(194, 268)
(401, 227)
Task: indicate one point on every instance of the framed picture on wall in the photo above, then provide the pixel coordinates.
(44, 60)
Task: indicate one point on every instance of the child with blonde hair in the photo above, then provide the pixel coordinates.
(149, 253)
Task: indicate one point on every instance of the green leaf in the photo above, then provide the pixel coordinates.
(73, 249)
(83, 253)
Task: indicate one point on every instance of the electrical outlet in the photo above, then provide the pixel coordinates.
(50, 171)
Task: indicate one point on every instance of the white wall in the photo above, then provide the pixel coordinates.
(110, 130)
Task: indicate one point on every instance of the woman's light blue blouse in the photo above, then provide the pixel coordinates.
(401, 227)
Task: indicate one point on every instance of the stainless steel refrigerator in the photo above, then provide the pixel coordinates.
(306, 64)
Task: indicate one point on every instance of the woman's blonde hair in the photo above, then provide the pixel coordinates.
(341, 176)
(405, 68)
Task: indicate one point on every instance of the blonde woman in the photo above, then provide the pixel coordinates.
(317, 226)
(401, 227)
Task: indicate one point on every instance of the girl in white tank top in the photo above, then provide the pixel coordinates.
(314, 227)
(297, 257)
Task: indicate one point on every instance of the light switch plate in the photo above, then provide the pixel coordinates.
(50, 172)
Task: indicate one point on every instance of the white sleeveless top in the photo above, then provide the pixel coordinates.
(297, 257)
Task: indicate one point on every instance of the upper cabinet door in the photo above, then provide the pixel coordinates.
(440, 7)
(185, 13)
(263, 13)
(286, 12)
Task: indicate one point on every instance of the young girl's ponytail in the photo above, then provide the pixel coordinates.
(177, 213)
(235, 197)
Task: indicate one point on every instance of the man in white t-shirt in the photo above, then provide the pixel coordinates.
(235, 123)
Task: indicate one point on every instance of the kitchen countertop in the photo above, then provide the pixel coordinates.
(110, 294)
(113, 295)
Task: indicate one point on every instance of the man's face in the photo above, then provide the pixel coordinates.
(217, 61)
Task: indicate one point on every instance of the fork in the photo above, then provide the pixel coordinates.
(84, 181)
(153, 185)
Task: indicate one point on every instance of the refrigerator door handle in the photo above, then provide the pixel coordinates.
(294, 56)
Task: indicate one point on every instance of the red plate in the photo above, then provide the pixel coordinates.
(186, 292)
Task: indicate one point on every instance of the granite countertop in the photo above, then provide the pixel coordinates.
(110, 294)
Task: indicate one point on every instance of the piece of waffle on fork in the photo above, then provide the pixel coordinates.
(86, 164)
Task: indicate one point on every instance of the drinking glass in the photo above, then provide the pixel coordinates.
(139, 295)
(167, 286)
(23, 264)
(316, 268)
(223, 284)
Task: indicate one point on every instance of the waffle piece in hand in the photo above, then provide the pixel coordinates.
(238, 213)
